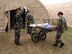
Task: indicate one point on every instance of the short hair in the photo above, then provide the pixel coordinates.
(60, 13)
(18, 10)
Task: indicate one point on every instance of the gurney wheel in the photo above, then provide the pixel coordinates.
(43, 35)
(35, 38)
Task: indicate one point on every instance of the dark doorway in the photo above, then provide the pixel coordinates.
(12, 14)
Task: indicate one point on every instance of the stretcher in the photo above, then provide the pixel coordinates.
(39, 31)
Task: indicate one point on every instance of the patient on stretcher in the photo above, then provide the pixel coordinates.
(48, 27)
(44, 25)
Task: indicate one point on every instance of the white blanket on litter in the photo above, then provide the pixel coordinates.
(43, 25)
(46, 25)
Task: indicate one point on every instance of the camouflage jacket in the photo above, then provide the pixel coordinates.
(30, 19)
(61, 25)
(18, 18)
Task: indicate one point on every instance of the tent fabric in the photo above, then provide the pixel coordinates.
(12, 6)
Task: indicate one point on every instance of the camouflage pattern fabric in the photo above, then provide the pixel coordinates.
(30, 20)
(17, 33)
(61, 26)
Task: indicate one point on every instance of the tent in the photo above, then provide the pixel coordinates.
(7, 8)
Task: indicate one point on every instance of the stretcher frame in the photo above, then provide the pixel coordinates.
(39, 33)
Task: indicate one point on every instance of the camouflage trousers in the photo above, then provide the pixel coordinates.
(58, 37)
(17, 37)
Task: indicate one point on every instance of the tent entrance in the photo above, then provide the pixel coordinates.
(10, 15)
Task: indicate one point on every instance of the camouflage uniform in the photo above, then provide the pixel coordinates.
(61, 27)
(30, 20)
(18, 18)
(17, 33)
(18, 22)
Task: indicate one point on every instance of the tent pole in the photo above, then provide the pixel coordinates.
(9, 21)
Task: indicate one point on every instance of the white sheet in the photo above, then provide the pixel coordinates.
(44, 25)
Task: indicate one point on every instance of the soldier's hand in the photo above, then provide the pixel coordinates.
(66, 28)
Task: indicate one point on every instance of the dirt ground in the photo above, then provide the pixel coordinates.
(7, 45)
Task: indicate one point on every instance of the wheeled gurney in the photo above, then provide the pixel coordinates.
(39, 31)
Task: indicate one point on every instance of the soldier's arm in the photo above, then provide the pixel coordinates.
(22, 12)
(27, 18)
(59, 22)
(32, 19)
(66, 27)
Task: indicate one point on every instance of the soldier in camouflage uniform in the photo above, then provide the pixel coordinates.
(17, 33)
(18, 22)
(61, 27)
(30, 20)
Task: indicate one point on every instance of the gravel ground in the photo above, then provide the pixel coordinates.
(7, 45)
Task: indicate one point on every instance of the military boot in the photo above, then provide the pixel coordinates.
(62, 44)
(55, 44)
